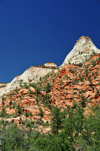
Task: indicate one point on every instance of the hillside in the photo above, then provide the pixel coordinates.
(31, 98)
(58, 88)
(75, 81)
(41, 85)
(31, 75)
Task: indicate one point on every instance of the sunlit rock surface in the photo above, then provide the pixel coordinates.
(82, 51)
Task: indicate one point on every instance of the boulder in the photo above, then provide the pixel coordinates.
(32, 89)
(43, 93)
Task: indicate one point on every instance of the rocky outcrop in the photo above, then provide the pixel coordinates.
(32, 74)
(2, 86)
(50, 64)
(82, 51)
(75, 83)
(72, 83)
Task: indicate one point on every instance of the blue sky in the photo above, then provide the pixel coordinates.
(33, 32)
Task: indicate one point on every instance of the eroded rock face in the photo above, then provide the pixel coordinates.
(71, 83)
(2, 86)
(32, 74)
(74, 81)
(82, 50)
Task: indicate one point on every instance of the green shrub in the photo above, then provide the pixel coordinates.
(83, 101)
(14, 139)
(18, 109)
(75, 88)
(74, 92)
(3, 99)
(26, 86)
(46, 98)
(14, 105)
(41, 112)
(47, 88)
(3, 112)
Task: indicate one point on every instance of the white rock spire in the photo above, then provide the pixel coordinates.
(81, 51)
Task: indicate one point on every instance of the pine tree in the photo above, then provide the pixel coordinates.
(56, 120)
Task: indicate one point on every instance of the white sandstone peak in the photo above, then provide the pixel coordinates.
(81, 51)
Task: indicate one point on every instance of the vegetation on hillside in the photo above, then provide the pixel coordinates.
(70, 131)
(65, 104)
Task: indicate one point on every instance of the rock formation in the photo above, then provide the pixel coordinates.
(32, 74)
(50, 64)
(82, 51)
(73, 83)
